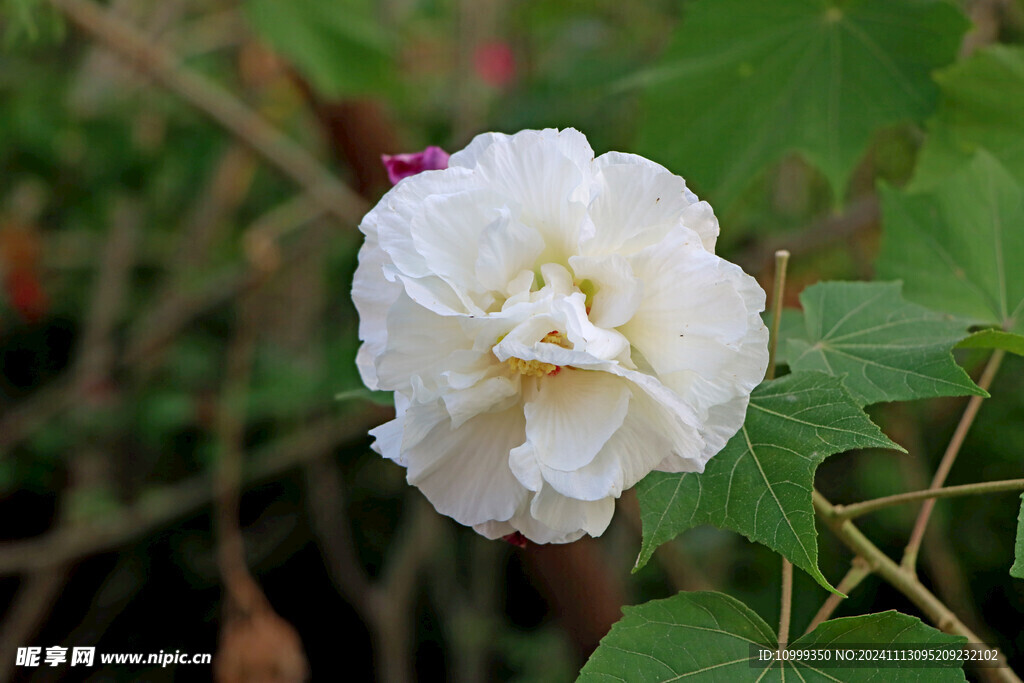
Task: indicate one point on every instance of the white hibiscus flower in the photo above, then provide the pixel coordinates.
(554, 327)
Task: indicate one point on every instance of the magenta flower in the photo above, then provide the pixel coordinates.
(404, 165)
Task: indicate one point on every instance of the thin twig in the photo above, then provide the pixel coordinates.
(230, 431)
(219, 105)
(24, 419)
(95, 355)
(907, 583)
(391, 598)
(859, 570)
(909, 561)
(334, 532)
(857, 509)
(27, 613)
(786, 600)
(945, 566)
(91, 371)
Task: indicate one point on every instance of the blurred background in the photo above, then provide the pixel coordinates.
(183, 454)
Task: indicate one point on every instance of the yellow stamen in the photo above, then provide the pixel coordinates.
(536, 368)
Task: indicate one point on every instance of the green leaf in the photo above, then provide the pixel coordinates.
(890, 629)
(994, 339)
(1017, 570)
(958, 248)
(704, 636)
(886, 348)
(338, 46)
(980, 104)
(703, 633)
(742, 83)
(760, 484)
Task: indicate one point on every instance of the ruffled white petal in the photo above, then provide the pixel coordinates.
(373, 296)
(692, 311)
(464, 472)
(618, 292)
(563, 517)
(494, 530)
(547, 173)
(571, 415)
(506, 248)
(637, 202)
(447, 231)
(646, 439)
(495, 392)
(393, 216)
(424, 348)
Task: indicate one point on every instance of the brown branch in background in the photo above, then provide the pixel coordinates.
(27, 613)
(163, 325)
(359, 132)
(333, 532)
(255, 643)
(89, 466)
(986, 19)
(859, 570)
(156, 509)
(208, 219)
(95, 358)
(909, 560)
(122, 583)
(226, 110)
(392, 598)
(906, 582)
(945, 570)
(29, 415)
(216, 30)
(230, 426)
(860, 215)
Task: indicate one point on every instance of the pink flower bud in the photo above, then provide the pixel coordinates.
(404, 165)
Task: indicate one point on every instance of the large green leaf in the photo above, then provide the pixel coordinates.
(887, 348)
(959, 248)
(713, 637)
(994, 339)
(1017, 570)
(337, 45)
(980, 107)
(760, 484)
(744, 82)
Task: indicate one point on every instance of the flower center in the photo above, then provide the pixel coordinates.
(536, 368)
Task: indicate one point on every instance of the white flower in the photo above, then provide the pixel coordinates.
(554, 327)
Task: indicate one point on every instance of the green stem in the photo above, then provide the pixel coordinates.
(858, 509)
(786, 608)
(786, 601)
(906, 582)
(859, 570)
(909, 560)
